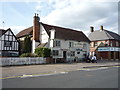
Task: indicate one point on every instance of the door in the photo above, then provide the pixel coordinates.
(64, 54)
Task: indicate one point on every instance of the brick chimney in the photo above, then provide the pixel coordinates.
(36, 28)
(91, 29)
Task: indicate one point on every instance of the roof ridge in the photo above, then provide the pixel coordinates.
(103, 35)
(4, 31)
(27, 28)
(61, 27)
(23, 31)
(109, 36)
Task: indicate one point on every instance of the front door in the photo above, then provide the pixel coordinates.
(64, 54)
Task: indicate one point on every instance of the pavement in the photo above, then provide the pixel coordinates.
(18, 71)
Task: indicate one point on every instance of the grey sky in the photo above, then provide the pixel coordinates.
(75, 14)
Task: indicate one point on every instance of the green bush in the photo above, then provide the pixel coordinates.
(28, 55)
(43, 52)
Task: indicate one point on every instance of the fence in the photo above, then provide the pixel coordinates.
(21, 61)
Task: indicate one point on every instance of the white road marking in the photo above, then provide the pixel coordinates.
(63, 72)
(91, 69)
(37, 75)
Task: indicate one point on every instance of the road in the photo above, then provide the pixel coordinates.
(102, 77)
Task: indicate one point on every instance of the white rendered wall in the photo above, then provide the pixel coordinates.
(44, 36)
(65, 47)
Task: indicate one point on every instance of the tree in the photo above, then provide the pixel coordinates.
(27, 45)
(43, 52)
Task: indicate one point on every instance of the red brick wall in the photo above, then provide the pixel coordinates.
(36, 28)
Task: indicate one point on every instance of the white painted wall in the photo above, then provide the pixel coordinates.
(52, 34)
(65, 47)
(34, 45)
(44, 36)
(14, 45)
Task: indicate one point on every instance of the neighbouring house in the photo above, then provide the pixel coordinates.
(105, 44)
(64, 43)
(9, 45)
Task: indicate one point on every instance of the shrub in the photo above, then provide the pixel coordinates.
(28, 55)
(43, 52)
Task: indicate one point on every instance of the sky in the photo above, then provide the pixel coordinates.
(74, 14)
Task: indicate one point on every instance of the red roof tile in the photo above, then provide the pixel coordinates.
(27, 31)
(66, 33)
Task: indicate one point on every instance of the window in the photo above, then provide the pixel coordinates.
(95, 44)
(72, 53)
(71, 44)
(117, 44)
(8, 44)
(68, 54)
(111, 43)
(84, 46)
(106, 43)
(56, 43)
(90, 44)
(55, 53)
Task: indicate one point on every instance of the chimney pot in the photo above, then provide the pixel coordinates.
(101, 27)
(37, 15)
(92, 29)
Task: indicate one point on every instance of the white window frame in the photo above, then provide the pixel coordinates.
(57, 43)
(72, 53)
(71, 44)
(55, 52)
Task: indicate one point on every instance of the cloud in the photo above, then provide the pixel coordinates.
(75, 14)
(56, 0)
(82, 14)
(15, 29)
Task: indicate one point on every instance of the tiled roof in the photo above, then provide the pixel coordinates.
(2, 31)
(103, 35)
(61, 33)
(66, 33)
(42, 45)
(27, 31)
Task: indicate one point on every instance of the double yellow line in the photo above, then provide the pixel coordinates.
(32, 75)
(10, 77)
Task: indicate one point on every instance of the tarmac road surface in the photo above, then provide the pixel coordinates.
(96, 77)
